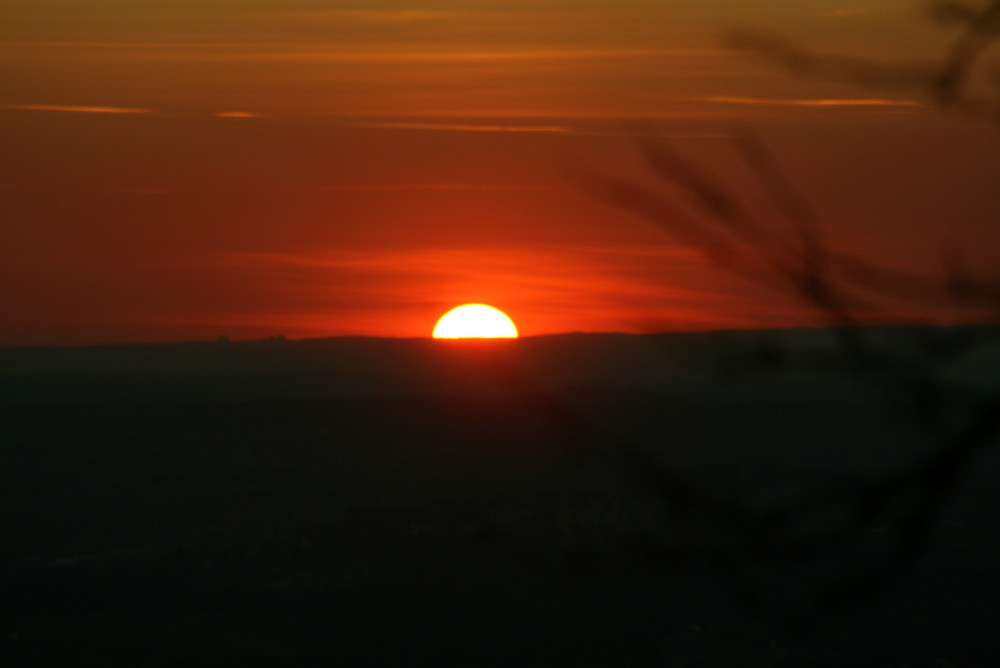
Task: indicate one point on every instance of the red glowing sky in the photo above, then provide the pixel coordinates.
(176, 171)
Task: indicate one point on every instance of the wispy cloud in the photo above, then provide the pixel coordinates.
(466, 56)
(374, 15)
(537, 129)
(456, 187)
(850, 12)
(537, 268)
(331, 51)
(89, 109)
(135, 191)
(402, 55)
(237, 114)
(466, 127)
(558, 287)
(404, 275)
(846, 12)
(78, 109)
(828, 102)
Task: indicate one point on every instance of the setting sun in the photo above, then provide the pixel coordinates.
(475, 321)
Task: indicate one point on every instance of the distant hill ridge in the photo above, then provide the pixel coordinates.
(361, 366)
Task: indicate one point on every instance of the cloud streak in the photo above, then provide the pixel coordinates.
(95, 109)
(237, 114)
(387, 16)
(550, 288)
(827, 102)
(405, 187)
(80, 109)
(466, 127)
(292, 53)
(850, 12)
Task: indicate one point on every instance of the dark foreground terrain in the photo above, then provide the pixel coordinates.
(606, 501)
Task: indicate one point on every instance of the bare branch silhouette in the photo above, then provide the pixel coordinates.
(944, 84)
(693, 205)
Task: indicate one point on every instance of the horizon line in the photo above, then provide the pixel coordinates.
(223, 340)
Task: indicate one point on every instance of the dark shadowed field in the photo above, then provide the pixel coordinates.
(416, 503)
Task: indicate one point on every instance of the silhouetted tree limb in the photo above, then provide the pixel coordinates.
(945, 84)
(695, 207)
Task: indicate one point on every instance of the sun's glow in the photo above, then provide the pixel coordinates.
(475, 321)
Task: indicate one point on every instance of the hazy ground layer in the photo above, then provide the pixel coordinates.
(520, 525)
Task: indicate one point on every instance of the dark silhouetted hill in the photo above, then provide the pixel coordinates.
(772, 363)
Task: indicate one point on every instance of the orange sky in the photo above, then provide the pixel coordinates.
(176, 170)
